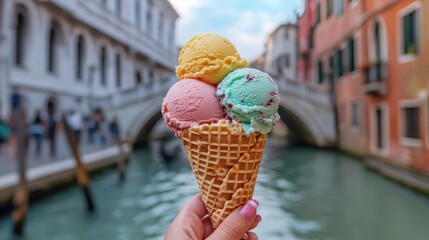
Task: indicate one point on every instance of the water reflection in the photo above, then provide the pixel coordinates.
(304, 194)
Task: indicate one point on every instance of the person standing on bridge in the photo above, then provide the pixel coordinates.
(114, 129)
(75, 122)
(37, 131)
(51, 131)
(98, 119)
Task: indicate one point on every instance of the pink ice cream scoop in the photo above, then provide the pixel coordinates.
(189, 103)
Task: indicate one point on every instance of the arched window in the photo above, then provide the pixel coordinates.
(171, 36)
(137, 17)
(151, 78)
(138, 78)
(79, 57)
(149, 18)
(103, 62)
(53, 45)
(377, 42)
(20, 36)
(118, 70)
(161, 28)
(118, 7)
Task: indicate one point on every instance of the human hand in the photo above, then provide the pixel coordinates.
(193, 223)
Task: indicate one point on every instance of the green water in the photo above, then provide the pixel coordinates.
(304, 194)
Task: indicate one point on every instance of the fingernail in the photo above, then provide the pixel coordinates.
(258, 218)
(249, 209)
(244, 237)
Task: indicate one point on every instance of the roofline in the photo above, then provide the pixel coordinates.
(288, 25)
(172, 8)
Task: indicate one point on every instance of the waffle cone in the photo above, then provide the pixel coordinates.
(225, 163)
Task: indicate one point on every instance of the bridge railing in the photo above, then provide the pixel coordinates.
(304, 91)
(160, 86)
(141, 92)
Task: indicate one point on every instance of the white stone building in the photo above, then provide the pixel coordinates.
(84, 53)
(281, 52)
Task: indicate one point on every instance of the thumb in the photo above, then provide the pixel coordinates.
(237, 223)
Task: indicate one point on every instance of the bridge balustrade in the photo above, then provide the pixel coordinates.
(139, 93)
(304, 91)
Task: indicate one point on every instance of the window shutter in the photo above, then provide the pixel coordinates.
(352, 55)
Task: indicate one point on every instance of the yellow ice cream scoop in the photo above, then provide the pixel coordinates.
(208, 57)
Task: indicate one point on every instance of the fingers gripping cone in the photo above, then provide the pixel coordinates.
(225, 163)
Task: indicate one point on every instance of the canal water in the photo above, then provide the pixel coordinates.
(304, 193)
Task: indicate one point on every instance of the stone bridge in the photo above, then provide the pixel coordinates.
(307, 112)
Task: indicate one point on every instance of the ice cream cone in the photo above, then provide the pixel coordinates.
(225, 163)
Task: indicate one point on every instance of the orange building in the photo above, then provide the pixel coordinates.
(398, 82)
(376, 55)
(305, 64)
(338, 54)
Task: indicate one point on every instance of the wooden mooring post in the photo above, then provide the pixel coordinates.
(81, 174)
(20, 199)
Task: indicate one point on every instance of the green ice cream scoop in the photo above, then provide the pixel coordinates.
(250, 97)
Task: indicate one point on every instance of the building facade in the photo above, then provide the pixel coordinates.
(306, 70)
(280, 58)
(338, 55)
(375, 56)
(397, 83)
(79, 54)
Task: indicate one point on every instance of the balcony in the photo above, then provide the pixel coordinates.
(376, 79)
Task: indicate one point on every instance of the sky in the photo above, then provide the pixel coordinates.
(246, 23)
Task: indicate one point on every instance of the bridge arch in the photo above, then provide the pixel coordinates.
(307, 121)
(141, 119)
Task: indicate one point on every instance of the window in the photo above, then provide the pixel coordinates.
(137, 15)
(380, 128)
(118, 7)
(53, 44)
(151, 77)
(352, 55)
(118, 70)
(149, 18)
(377, 42)
(79, 58)
(20, 35)
(411, 122)
(311, 37)
(355, 114)
(286, 33)
(138, 78)
(320, 71)
(329, 8)
(161, 28)
(409, 33)
(103, 61)
(340, 7)
(51, 50)
(171, 37)
(339, 63)
(279, 61)
(332, 67)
